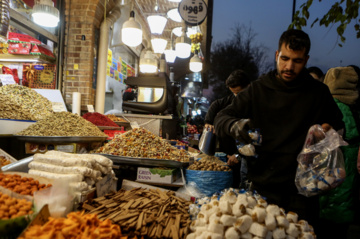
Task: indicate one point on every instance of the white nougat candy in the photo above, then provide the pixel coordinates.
(225, 207)
(214, 203)
(273, 209)
(290, 237)
(251, 201)
(242, 199)
(227, 220)
(243, 223)
(262, 202)
(191, 236)
(200, 230)
(202, 217)
(246, 235)
(292, 217)
(216, 226)
(215, 216)
(279, 233)
(304, 226)
(258, 230)
(269, 235)
(307, 235)
(209, 235)
(249, 211)
(282, 221)
(231, 233)
(229, 196)
(238, 209)
(197, 223)
(258, 213)
(270, 221)
(292, 230)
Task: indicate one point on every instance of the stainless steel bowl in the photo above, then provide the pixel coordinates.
(207, 143)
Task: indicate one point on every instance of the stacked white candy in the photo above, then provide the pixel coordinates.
(244, 216)
(82, 171)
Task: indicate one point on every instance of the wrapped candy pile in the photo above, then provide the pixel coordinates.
(235, 215)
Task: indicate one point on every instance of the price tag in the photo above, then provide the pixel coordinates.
(58, 107)
(193, 12)
(134, 125)
(7, 79)
(90, 108)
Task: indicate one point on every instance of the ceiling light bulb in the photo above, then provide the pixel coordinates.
(170, 55)
(148, 64)
(158, 45)
(131, 33)
(196, 64)
(157, 23)
(45, 14)
(183, 46)
(174, 15)
(177, 31)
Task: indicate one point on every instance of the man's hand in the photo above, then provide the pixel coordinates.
(232, 160)
(210, 127)
(239, 131)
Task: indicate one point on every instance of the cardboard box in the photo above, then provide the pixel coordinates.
(158, 175)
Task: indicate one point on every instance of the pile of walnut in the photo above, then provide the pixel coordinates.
(245, 216)
(147, 212)
(208, 166)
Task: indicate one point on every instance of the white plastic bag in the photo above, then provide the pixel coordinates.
(321, 164)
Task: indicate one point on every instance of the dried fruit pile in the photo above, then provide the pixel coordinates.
(26, 101)
(62, 124)
(141, 143)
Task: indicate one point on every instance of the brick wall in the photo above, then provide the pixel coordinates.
(82, 19)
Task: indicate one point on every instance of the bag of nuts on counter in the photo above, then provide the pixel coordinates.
(321, 164)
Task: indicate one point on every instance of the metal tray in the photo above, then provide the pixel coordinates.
(147, 161)
(122, 123)
(60, 139)
(108, 127)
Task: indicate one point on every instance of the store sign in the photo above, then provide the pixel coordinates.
(7, 79)
(193, 12)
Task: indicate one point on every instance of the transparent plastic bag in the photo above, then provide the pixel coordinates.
(321, 164)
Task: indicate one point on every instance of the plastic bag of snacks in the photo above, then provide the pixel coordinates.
(249, 149)
(320, 163)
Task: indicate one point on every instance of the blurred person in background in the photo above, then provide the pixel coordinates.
(237, 81)
(316, 73)
(338, 206)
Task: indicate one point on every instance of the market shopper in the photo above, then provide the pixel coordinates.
(283, 104)
(338, 206)
(237, 81)
(316, 73)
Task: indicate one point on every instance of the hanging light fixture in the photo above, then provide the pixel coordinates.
(159, 45)
(183, 45)
(45, 14)
(131, 33)
(177, 31)
(174, 15)
(148, 64)
(174, 0)
(157, 23)
(196, 64)
(170, 55)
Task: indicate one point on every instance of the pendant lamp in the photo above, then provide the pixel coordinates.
(156, 23)
(170, 55)
(174, 15)
(148, 63)
(45, 14)
(183, 46)
(196, 64)
(131, 33)
(159, 45)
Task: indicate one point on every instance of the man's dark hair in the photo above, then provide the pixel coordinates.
(237, 78)
(296, 40)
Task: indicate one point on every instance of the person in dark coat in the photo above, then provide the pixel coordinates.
(283, 104)
(338, 206)
(237, 81)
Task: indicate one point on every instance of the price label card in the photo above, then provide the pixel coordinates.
(7, 79)
(58, 107)
(90, 108)
(193, 12)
